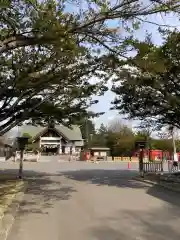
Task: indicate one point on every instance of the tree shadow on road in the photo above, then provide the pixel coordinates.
(42, 191)
(166, 195)
(45, 190)
(160, 224)
(118, 178)
(123, 179)
(145, 222)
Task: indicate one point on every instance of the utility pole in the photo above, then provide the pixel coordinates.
(171, 130)
(174, 145)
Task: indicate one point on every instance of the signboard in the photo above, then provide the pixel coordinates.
(50, 146)
(140, 144)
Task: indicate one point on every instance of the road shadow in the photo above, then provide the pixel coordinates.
(44, 189)
(123, 179)
(42, 192)
(165, 194)
(160, 224)
(112, 177)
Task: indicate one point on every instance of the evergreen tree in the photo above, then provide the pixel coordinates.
(151, 90)
(102, 129)
(48, 55)
(87, 128)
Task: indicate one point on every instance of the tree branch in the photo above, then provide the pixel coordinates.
(18, 40)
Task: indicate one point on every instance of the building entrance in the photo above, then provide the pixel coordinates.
(50, 150)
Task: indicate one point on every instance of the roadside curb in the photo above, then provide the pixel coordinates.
(157, 184)
(111, 161)
(7, 220)
(125, 161)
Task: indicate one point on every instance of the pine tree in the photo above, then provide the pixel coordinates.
(151, 89)
(48, 55)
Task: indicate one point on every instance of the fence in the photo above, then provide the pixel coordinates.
(125, 159)
(172, 168)
(150, 167)
(28, 156)
(159, 167)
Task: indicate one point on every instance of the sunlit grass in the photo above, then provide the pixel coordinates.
(8, 190)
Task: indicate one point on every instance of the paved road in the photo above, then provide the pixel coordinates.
(93, 202)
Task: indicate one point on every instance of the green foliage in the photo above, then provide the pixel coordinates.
(122, 146)
(48, 55)
(28, 136)
(29, 147)
(141, 135)
(49, 68)
(151, 90)
(87, 128)
(162, 144)
(121, 139)
(99, 139)
(102, 129)
(117, 136)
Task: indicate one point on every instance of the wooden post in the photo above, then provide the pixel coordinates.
(141, 155)
(162, 170)
(21, 164)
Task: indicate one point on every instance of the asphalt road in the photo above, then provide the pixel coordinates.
(86, 201)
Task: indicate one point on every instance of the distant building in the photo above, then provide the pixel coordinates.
(55, 139)
(6, 147)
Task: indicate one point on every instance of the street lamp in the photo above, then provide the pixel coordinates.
(21, 142)
(140, 145)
